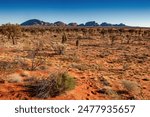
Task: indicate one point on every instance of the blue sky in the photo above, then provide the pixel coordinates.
(130, 12)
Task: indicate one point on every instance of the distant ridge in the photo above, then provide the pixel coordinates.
(108, 24)
(34, 22)
(37, 22)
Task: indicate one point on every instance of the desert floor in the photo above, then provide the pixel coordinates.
(102, 71)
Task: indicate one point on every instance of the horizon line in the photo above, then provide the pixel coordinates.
(78, 23)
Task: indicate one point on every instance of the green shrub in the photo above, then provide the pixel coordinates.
(52, 86)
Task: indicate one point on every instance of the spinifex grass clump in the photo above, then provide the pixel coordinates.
(58, 48)
(133, 88)
(52, 86)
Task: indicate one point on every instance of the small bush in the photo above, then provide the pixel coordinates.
(53, 86)
(36, 61)
(64, 38)
(104, 54)
(81, 67)
(59, 48)
(12, 31)
(8, 66)
(112, 39)
(133, 88)
(35, 57)
(71, 58)
(110, 92)
(77, 43)
(14, 78)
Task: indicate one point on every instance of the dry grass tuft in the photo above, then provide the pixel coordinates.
(54, 85)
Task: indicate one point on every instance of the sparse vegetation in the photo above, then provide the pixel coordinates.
(114, 53)
(133, 88)
(112, 38)
(11, 31)
(77, 43)
(59, 48)
(14, 78)
(54, 85)
(36, 59)
(8, 66)
(64, 38)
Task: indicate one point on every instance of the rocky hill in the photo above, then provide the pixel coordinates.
(34, 22)
(60, 23)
